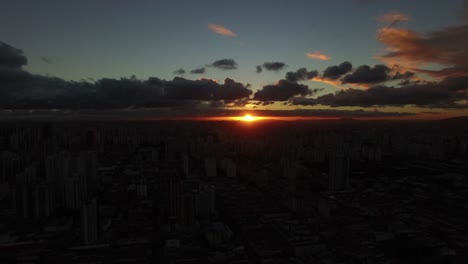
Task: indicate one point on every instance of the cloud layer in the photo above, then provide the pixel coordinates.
(445, 94)
(23, 90)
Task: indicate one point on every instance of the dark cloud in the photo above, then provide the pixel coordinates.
(458, 83)
(365, 74)
(225, 64)
(21, 89)
(232, 90)
(198, 71)
(274, 66)
(336, 71)
(258, 69)
(444, 94)
(402, 76)
(32, 91)
(11, 57)
(281, 91)
(179, 71)
(204, 89)
(124, 92)
(301, 75)
(331, 113)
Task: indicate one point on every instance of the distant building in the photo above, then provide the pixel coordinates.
(21, 201)
(230, 168)
(210, 167)
(338, 175)
(89, 222)
(42, 201)
(87, 168)
(206, 202)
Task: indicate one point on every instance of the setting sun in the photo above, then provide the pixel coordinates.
(248, 118)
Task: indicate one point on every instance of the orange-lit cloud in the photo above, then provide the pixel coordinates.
(412, 50)
(393, 17)
(317, 55)
(334, 83)
(221, 30)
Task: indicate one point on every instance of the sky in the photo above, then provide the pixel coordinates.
(402, 59)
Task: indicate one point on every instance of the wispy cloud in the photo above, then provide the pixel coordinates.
(47, 60)
(410, 49)
(317, 55)
(393, 17)
(221, 30)
(198, 71)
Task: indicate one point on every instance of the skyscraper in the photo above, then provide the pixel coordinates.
(89, 222)
(338, 175)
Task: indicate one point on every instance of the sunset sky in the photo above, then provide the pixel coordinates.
(353, 58)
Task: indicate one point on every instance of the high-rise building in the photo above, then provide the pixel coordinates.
(185, 164)
(210, 167)
(188, 212)
(42, 202)
(338, 175)
(230, 168)
(172, 188)
(89, 222)
(21, 201)
(74, 193)
(206, 202)
(87, 168)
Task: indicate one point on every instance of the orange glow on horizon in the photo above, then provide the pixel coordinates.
(248, 118)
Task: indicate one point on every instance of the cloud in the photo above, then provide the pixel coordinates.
(301, 75)
(365, 74)
(282, 91)
(317, 55)
(11, 57)
(198, 71)
(336, 71)
(47, 60)
(225, 64)
(21, 89)
(445, 94)
(180, 71)
(274, 66)
(231, 91)
(33, 91)
(410, 49)
(221, 30)
(204, 89)
(394, 16)
(258, 69)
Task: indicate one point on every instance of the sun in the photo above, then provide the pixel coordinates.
(248, 118)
